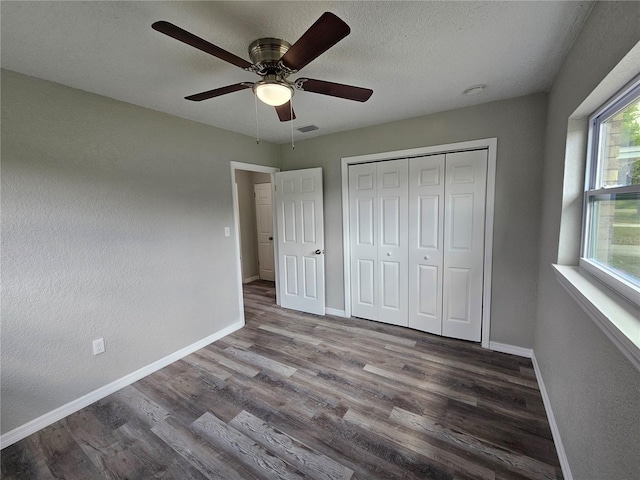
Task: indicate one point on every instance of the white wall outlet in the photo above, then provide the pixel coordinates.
(98, 346)
(227, 232)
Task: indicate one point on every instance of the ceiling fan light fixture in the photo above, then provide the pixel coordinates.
(273, 92)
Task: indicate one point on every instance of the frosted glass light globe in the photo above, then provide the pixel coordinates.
(273, 94)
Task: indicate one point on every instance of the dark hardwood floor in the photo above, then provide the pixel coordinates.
(299, 396)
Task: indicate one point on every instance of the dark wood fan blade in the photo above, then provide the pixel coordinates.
(322, 35)
(197, 42)
(349, 92)
(284, 112)
(198, 97)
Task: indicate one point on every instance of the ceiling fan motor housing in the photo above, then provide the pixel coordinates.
(265, 54)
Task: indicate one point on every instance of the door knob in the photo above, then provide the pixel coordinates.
(388, 254)
(318, 252)
(270, 238)
(426, 257)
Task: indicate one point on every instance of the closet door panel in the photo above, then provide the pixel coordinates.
(428, 216)
(363, 218)
(460, 234)
(458, 305)
(365, 213)
(392, 200)
(390, 221)
(465, 190)
(427, 302)
(391, 291)
(426, 226)
(365, 281)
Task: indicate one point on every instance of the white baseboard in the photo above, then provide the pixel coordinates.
(335, 312)
(529, 353)
(512, 349)
(555, 432)
(59, 413)
(251, 279)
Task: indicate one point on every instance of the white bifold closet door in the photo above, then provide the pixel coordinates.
(426, 242)
(446, 243)
(378, 225)
(417, 242)
(465, 205)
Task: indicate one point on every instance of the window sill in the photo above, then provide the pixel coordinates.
(618, 318)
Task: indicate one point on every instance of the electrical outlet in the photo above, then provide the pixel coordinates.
(98, 346)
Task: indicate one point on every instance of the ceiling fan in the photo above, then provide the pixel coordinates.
(275, 60)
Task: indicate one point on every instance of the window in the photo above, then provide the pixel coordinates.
(611, 235)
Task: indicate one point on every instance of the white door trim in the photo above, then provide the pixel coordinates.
(491, 145)
(236, 220)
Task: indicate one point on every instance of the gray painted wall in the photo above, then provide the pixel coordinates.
(112, 226)
(112, 221)
(247, 218)
(594, 390)
(519, 126)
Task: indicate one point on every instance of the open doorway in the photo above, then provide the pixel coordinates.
(255, 226)
(255, 233)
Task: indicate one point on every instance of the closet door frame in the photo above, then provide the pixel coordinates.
(491, 145)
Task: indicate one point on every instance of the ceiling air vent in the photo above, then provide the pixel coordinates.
(308, 128)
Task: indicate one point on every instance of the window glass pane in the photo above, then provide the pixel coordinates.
(619, 152)
(614, 238)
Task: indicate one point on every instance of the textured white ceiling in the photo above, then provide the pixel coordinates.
(418, 57)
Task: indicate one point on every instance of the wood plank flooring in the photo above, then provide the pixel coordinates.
(294, 396)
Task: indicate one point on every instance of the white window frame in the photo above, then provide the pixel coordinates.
(607, 276)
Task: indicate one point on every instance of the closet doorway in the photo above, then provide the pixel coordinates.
(418, 237)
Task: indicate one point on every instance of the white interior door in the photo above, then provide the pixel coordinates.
(264, 227)
(465, 203)
(363, 225)
(392, 181)
(426, 232)
(300, 233)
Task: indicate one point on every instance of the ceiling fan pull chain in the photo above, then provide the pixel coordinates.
(293, 147)
(257, 122)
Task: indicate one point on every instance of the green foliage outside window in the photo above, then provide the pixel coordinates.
(630, 136)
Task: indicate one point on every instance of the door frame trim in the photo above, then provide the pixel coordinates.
(236, 220)
(491, 144)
